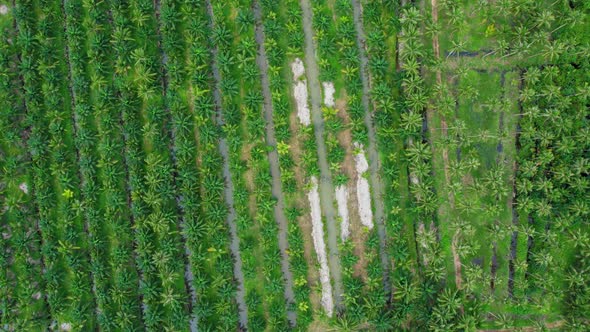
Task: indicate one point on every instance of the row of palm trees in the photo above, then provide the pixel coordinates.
(176, 43)
(418, 146)
(327, 20)
(381, 23)
(556, 205)
(21, 303)
(348, 74)
(543, 42)
(151, 170)
(284, 41)
(102, 164)
(244, 130)
(67, 279)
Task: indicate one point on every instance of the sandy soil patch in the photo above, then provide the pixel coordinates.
(320, 246)
(420, 238)
(248, 176)
(357, 235)
(3, 10)
(329, 91)
(65, 327)
(363, 190)
(24, 187)
(342, 203)
(304, 220)
(301, 97)
(297, 68)
(300, 92)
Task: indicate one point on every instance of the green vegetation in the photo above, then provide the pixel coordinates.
(155, 173)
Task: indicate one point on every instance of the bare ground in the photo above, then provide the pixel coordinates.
(326, 187)
(377, 186)
(443, 121)
(357, 234)
(246, 154)
(304, 221)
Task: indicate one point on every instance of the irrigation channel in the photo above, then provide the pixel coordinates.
(325, 184)
(229, 186)
(273, 159)
(374, 164)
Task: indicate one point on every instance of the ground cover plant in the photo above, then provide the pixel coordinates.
(306, 165)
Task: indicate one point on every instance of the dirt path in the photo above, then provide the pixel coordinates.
(356, 229)
(443, 121)
(273, 158)
(326, 186)
(229, 186)
(374, 162)
(445, 152)
(304, 220)
(469, 54)
(500, 159)
(513, 201)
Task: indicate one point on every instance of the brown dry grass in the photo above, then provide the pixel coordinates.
(249, 177)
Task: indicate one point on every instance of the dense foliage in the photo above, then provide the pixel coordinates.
(155, 173)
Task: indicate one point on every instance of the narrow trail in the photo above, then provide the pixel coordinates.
(273, 158)
(443, 121)
(188, 272)
(500, 158)
(445, 152)
(515, 216)
(374, 161)
(468, 54)
(326, 186)
(229, 186)
(456, 258)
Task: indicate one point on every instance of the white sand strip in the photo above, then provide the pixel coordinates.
(363, 191)
(342, 202)
(297, 68)
(300, 93)
(320, 246)
(329, 91)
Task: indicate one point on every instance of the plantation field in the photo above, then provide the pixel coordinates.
(294, 165)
